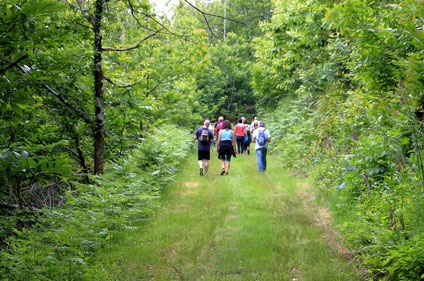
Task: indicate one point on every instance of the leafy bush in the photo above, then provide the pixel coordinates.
(351, 108)
(64, 240)
(22, 170)
(375, 189)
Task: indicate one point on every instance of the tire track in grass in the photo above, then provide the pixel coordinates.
(244, 226)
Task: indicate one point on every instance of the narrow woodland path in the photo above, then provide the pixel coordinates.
(244, 226)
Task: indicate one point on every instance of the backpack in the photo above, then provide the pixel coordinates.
(204, 136)
(247, 130)
(261, 138)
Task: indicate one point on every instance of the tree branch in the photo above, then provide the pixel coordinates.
(217, 16)
(314, 59)
(86, 26)
(122, 86)
(263, 15)
(209, 27)
(154, 88)
(134, 16)
(4, 205)
(81, 9)
(205, 14)
(75, 108)
(13, 64)
(155, 20)
(162, 82)
(81, 113)
(133, 47)
(72, 151)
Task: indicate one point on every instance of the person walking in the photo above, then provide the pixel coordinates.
(220, 120)
(212, 129)
(240, 133)
(204, 138)
(261, 137)
(254, 124)
(226, 146)
(247, 136)
(218, 125)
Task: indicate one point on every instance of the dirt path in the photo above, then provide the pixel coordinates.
(243, 226)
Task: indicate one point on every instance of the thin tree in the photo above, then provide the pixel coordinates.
(98, 125)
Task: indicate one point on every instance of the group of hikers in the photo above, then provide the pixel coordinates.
(231, 142)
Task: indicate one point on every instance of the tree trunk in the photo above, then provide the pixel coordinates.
(230, 98)
(99, 127)
(18, 188)
(225, 19)
(81, 158)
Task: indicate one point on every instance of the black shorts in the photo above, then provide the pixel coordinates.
(203, 155)
(226, 150)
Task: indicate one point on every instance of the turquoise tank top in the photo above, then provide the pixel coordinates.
(226, 135)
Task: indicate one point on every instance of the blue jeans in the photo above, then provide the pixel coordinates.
(261, 153)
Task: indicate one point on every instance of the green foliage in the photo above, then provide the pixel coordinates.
(47, 45)
(345, 80)
(64, 240)
(225, 87)
(22, 171)
(172, 79)
(224, 78)
(350, 103)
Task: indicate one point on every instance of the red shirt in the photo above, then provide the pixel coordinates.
(218, 127)
(240, 130)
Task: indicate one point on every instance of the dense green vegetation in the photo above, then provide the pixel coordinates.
(64, 240)
(98, 97)
(349, 79)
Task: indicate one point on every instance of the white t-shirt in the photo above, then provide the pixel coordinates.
(252, 126)
(256, 135)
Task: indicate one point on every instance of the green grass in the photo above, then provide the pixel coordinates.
(242, 226)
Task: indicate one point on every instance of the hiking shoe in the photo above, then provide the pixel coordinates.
(222, 172)
(201, 171)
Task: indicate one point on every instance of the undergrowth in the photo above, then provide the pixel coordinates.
(62, 243)
(371, 180)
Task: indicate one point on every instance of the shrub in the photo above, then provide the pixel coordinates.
(63, 241)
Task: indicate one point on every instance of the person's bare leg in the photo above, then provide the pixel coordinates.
(227, 166)
(201, 167)
(223, 167)
(206, 165)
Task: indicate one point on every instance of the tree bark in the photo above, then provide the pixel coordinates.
(81, 158)
(230, 98)
(225, 19)
(99, 127)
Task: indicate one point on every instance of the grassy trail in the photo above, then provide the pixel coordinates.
(242, 226)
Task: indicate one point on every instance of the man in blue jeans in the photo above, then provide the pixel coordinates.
(261, 137)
